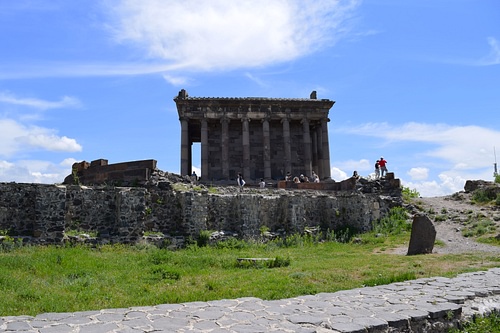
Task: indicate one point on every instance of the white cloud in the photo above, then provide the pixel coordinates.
(195, 35)
(338, 174)
(16, 137)
(42, 138)
(68, 162)
(64, 102)
(453, 154)
(220, 34)
(468, 147)
(257, 80)
(494, 57)
(361, 165)
(33, 171)
(418, 173)
(175, 80)
(447, 184)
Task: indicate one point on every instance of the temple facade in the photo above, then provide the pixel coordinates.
(258, 137)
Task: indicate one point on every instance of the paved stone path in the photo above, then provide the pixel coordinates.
(423, 305)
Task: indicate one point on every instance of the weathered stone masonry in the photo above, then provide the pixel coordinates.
(43, 213)
(259, 137)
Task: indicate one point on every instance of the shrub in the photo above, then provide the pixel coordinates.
(394, 224)
(409, 193)
(8, 243)
(264, 263)
(164, 273)
(203, 238)
(440, 218)
(479, 228)
(484, 195)
(232, 243)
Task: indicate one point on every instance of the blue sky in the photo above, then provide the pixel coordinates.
(415, 81)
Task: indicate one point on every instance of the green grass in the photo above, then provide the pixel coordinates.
(481, 227)
(36, 280)
(490, 324)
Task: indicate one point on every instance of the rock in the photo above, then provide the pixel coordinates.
(472, 185)
(423, 235)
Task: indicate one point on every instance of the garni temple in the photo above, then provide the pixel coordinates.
(258, 137)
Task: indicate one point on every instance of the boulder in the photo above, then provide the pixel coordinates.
(472, 185)
(423, 235)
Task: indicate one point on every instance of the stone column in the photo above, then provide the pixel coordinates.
(287, 143)
(319, 137)
(267, 148)
(314, 145)
(307, 147)
(246, 148)
(185, 147)
(326, 149)
(225, 147)
(204, 150)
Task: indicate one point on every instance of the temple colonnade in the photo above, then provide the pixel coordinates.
(259, 137)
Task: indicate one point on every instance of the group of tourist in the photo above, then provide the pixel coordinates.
(380, 171)
(380, 168)
(302, 179)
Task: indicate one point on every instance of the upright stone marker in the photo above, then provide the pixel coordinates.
(423, 236)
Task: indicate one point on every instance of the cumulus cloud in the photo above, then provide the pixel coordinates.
(360, 165)
(449, 153)
(338, 174)
(33, 171)
(448, 183)
(419, 173)
(19, 138)
(466, 147)
(220, 34)
(16, 137)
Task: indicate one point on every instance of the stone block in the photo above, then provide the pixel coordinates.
(99, 162)
(423, 235)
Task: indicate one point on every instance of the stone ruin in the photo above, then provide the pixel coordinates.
(120, 174)
(173, 208)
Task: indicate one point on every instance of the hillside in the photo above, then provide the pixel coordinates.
(459, 222)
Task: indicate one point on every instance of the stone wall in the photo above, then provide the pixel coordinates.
(44, 214)
(120, 174)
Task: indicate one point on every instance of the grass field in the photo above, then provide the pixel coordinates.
(38, 279)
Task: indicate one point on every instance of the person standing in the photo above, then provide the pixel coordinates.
(262, 183)
(377, 169)
(315, 177)
(241, 181)
(383, 167)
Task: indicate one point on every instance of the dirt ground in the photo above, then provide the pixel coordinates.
(452, 216)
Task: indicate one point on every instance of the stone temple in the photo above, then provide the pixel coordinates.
(258, 137)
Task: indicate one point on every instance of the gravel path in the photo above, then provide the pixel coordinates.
(451, 216)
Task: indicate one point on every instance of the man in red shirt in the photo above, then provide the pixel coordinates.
(383, 168)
